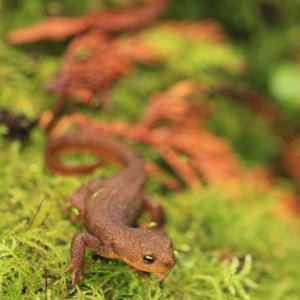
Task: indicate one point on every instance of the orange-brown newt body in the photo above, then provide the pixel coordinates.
(109, 208)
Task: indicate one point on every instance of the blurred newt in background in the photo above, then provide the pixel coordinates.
(109, 21)
(93, 60)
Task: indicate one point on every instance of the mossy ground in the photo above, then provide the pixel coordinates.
(231, 247)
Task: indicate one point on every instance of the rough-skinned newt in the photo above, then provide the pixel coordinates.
(109, 208)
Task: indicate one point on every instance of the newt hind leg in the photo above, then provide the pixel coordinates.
(79, 199)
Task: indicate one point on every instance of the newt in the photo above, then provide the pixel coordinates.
(109, 208)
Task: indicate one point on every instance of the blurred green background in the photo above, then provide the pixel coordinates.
(267, 30)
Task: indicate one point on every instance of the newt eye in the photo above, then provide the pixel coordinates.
(148, 259)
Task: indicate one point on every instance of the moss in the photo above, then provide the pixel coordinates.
(206, 227)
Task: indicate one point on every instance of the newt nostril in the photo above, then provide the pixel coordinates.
(170, 264)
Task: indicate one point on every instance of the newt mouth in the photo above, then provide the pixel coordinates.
(162, 276)
(159, 272)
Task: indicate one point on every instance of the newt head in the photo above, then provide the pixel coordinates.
(148, 250)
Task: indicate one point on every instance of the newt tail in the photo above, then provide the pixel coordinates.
(87, 140)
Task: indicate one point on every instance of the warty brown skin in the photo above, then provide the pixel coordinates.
(109, 208)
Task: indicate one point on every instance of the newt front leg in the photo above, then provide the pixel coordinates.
(81, 242)
(155, 211)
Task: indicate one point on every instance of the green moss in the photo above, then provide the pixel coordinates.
(204, 225)
(206, 62)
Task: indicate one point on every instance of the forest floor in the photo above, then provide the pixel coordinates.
(231, 246)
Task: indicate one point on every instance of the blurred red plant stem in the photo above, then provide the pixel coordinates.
(173, 126)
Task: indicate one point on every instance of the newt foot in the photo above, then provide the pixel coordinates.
(77, 273)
